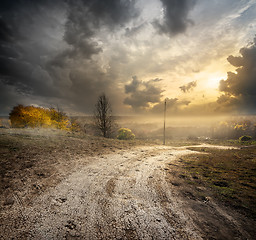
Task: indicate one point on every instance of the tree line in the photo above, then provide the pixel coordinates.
(30, 116)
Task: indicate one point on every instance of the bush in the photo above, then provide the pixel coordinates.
(125, 134)
(245, 138)
(74, 126)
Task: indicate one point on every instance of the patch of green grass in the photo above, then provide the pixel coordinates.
(231, 142)
(230, 174)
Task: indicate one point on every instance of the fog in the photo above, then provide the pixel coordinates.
(177, 128)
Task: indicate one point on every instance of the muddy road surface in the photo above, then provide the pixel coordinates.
(125, 195)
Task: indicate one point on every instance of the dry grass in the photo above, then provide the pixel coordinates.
(32, 160)
(230, 174)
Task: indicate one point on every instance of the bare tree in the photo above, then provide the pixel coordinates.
(103, 116)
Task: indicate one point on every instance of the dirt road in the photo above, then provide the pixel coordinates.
(125, 195)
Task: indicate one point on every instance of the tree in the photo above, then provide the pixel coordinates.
(59, 119)
(103, 116)
(30, 116)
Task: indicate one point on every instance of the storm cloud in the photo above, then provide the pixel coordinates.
(46, 48)
(175, 16)
(21, 53)
(142, 94)
(239, 89)
(86, 17)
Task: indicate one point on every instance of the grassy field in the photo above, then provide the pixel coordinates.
(36, 159)
(32, 160)
(229, 174)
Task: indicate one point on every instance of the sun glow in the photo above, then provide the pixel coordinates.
(213, 82)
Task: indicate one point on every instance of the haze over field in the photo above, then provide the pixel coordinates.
(199, 54)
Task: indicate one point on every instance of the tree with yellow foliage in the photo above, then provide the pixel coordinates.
(30, 116)
(59, 119)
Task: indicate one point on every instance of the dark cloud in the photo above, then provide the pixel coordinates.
(142, 94)
(85, 79)
(20, 52)
(240, 88)
(46, 48)
(188, 87)
(227, 103)
(175, 19)
(86, 17)
(133, 31)
(111, 12)
(8, 95)
(6, 34)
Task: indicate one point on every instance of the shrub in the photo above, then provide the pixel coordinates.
(125, 134)
(245, 138)
(74, 126)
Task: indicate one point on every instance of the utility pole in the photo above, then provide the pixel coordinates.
(164, 118)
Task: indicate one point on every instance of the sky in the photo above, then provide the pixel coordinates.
(199, 55)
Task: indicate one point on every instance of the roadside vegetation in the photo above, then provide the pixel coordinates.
(234, 129)
(125, 134)
(229, 174)
(34, 117)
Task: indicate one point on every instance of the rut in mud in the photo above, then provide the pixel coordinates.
(125, 195)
